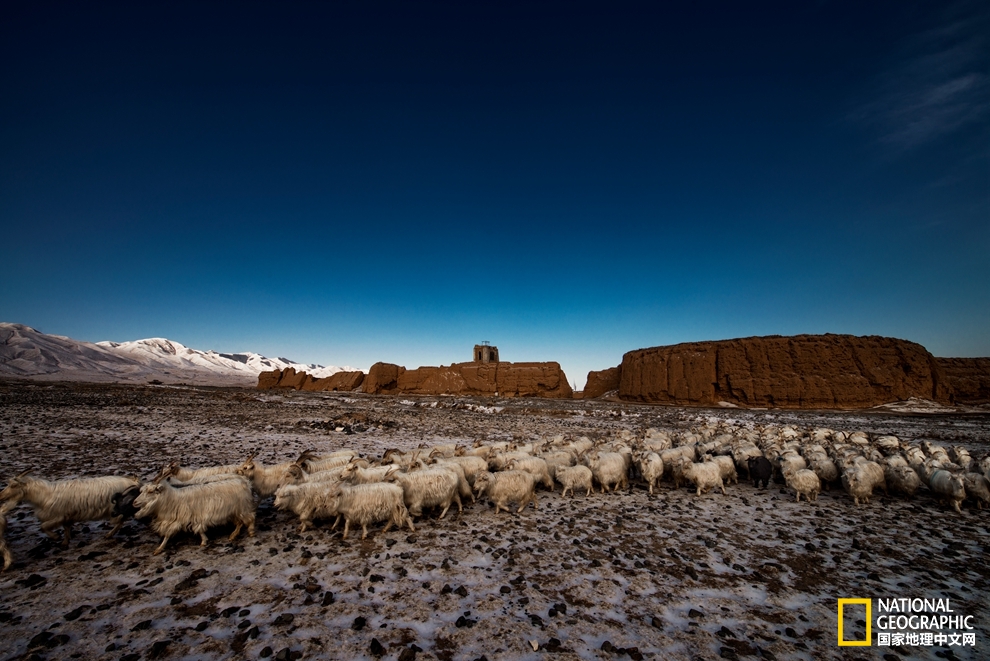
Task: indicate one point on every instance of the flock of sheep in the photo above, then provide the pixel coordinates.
(397, 487)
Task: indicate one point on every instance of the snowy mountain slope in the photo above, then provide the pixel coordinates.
(28, 353)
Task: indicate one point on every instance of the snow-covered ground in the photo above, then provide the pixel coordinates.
(751, 574)
(28, 353)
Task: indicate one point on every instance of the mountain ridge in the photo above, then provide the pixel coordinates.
(26, 352)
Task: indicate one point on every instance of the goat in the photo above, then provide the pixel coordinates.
(196, 507)
(65, 502)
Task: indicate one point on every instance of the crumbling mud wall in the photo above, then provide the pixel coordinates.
(801, 371)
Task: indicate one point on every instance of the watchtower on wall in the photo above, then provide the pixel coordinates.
(485, 353)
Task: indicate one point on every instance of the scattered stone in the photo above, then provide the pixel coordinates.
(158, 649)
(75, 613)
(358, 623)
(32, 582)
(284, 620)
(377, 649)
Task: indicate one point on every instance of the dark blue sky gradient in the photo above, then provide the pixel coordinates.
(351, 182)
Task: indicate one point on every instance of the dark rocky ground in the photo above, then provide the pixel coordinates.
(750, 575)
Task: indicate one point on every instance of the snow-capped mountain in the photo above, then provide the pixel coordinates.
(28, 353)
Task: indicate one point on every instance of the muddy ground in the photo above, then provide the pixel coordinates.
(751, 574)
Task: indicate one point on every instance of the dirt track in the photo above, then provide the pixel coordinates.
(623, 575)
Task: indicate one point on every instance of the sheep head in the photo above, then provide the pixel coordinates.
(247, 468)
(15, 488)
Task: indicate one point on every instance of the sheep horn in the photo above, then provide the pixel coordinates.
(24, 473)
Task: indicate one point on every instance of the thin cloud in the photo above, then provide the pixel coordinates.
(939, 86)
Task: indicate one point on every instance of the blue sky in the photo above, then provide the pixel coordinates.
(344, 183)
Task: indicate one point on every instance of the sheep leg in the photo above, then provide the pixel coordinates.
(201, 530)
(237, 530)
(457, 499)
(955, 504)
(118, 522)
(798, 497)
(66, 534)
(47, 528)
(364, 531)
(388, 524)
(335, 522)
(347, 527)
(250, 525)
(533, 498)
(161, 547)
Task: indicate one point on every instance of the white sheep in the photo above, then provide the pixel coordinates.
(949, 486)
(804, 482)
(355, 473)
(8, 558)
(705, 476)
(536, 466)
(977, 489)
(824, 468)
(858, 484)
(983, 466)
(479, 450)
(65, 502)
(313, 463)
(185, 474)
(901, 479)
(870, 469)
(572, 477)
(651, 468)
(671, 459)
(728, 468)
(499, 460)
(294, 474)
(266, 479)
(434, 487)
(310, 501)
(558, 459)
(471, 464)
(609, 470)
(464, 489)
(196, 508)
(507, 486)
(371, 503)
(960, 455)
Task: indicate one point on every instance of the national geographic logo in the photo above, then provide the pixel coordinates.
(869, 619)
(908, 622)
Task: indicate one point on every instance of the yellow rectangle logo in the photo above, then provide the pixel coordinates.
(869, 622)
